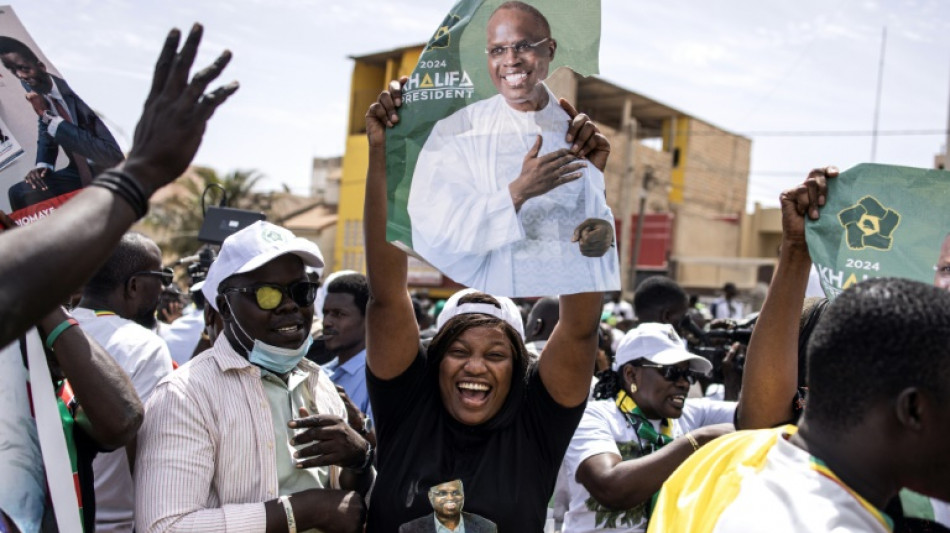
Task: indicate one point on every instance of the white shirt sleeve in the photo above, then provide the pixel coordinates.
(701, 412)
(592, 437)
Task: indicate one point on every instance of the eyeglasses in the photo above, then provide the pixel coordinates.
(675, 373)
(523, 47)
(167, 275)
(269, 295)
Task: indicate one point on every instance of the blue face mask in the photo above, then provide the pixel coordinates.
(274, 358)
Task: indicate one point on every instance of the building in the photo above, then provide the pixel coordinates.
(687, 177)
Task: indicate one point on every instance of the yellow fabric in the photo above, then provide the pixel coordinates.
(695, 495)
(626, 405)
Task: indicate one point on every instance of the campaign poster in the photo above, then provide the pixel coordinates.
(882, 221)
(476, 115)
(52, 143)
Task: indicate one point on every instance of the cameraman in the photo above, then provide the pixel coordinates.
(183, 335)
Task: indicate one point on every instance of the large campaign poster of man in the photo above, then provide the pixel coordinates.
(476, 123)
(882, 220)
(62, 142)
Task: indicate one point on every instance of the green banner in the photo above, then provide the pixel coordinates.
(456, 147)
(880, 220)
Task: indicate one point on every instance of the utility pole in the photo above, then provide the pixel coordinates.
(641, 216)
(877, 105)
(627, 181)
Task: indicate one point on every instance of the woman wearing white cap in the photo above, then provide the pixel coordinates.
(470, 407)
(626, 446)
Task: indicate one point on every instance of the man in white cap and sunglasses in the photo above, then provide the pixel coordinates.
(250, 435)
(628, 444)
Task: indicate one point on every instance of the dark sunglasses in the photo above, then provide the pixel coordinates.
(269, 295)
(167, 275)
(675, 373)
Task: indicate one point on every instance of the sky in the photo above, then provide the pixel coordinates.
(792, 76)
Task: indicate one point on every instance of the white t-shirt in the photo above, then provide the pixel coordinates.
(182, 335)
(781, 489)
(604, 429)
(465, 224)
(145, 358)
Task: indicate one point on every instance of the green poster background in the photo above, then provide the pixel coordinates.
(453, 72)
(880, 220)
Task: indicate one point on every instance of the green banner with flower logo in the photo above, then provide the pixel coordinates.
(881, 220)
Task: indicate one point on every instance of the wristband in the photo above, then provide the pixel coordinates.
(124, 186)
(692, 440)
(289, 511)
(58, 330)
(367, 461)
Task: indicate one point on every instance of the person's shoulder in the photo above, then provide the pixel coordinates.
(419, 525)
(602, 409)
(476, 520)
(128, 333)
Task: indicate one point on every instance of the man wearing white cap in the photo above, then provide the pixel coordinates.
(223, 447)
(626, 446)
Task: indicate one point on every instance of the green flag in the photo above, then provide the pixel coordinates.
(472, 111)
(880, 220)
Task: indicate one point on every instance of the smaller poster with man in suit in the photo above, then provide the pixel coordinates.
(63, 142)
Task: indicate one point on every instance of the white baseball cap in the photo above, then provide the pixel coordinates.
(508, 312)
(251, 248)
(659, 344)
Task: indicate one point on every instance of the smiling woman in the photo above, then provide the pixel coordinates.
(469, 407)
(627, 445)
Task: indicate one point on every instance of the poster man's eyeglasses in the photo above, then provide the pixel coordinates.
(521, 48)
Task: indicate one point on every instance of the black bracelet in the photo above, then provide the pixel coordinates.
(126, 187)
(125, 182)
(367, 462)
(130, 180)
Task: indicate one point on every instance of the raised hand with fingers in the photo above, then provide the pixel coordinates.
(587, 140)
(383, 113)
(176, 112)
(804, 200)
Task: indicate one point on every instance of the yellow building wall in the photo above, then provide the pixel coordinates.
(680, 137)
(368, 80)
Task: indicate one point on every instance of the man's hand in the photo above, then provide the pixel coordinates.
(382, 114)
(587, 140)
(540, 174)
(176, 112)
(801, 201)
(36, 178)
(40, 105)
(171, 312)
(336, 443)
(354, 417)
(595, 236)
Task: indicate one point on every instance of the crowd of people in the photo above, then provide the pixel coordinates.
(294, 399)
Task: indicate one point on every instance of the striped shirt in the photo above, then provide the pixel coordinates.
(206, 451)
